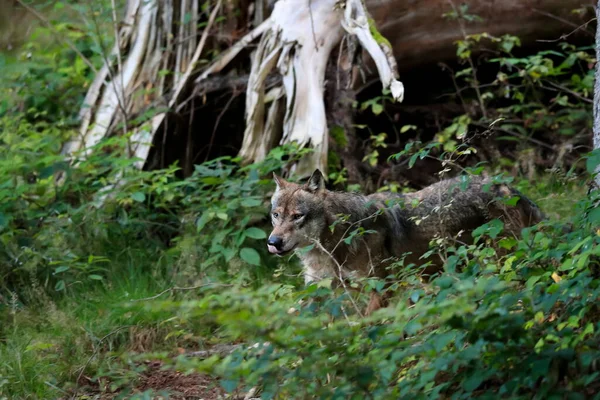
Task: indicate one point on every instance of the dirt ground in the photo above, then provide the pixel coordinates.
(164, 384)
(178, 385)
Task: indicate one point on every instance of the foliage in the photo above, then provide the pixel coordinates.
(514, 325)
(61, 241)
(45, 78)
(528, 112)
(116, 266)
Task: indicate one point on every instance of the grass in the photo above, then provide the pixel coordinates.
(555, 194)
(45, 343)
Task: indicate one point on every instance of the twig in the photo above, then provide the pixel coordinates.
(374, 215)
(175, 288)
(564, 21)
(220, 350)
(516, 134)
(564, 36)
(96, 352)
(120, 98)
(340, 277)
(564, 89)
(60, 37)
(211, 20)
(217, 122)
(475, 83)
(217, 83)
(456, 88)
(198, 52)
(312, 25)
(119, 61)
(234, 50)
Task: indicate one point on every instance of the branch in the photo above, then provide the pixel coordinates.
(176, 288)
(58, 35)
(564, 21)
(357, 22)
(119, 329)
(596, 107)
(565, 36)
(516, 134)
(220, 350)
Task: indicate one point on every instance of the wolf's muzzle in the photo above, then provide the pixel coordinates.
(275, 244)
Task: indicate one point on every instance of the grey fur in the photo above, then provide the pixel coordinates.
(302, 216)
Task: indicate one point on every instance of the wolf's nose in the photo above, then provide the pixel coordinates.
(275, 241)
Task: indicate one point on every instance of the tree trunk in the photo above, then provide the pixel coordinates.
(160, 47)
(596, 126)
(421, 34)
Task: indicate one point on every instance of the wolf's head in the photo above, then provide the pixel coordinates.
(297, 214)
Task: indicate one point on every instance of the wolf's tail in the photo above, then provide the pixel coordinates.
(531, 213)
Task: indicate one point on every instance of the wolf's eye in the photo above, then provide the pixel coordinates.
(297, 216)
(275, 215)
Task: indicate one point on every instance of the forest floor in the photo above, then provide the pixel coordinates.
(162, 383)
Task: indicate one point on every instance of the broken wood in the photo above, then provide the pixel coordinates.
(296, 41)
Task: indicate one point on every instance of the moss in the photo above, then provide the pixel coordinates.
(339, 135)
(334, 162)
(378, 36)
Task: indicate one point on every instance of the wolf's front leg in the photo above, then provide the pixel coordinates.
(376, 301)
(310, 276)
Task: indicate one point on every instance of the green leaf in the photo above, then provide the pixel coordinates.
(37, 346)
(95, 277)
(507, 243)
(473, 382)
(138, 196)
(594, 216)
(60, 269)
(203, 220)
(250, 202)
(377, 108)
(593, 161)
(412, 327)
(60, 285)
(413, 160)
(228, 254)
(250, 255)
(512, 201)
(414, 297)
(406, 128)
(255, 233)
(326, 283)
(229, 385)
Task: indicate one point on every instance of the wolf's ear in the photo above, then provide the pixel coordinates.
(316, 182)
(279, 181)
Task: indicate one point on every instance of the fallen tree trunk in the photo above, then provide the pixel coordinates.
(423, 31)
(296, 42)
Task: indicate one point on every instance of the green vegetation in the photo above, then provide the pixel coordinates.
(90, 291)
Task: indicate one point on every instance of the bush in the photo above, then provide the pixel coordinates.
(516, 326)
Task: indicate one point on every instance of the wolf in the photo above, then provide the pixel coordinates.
(349, 235)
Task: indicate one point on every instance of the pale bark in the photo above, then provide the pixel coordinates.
(596, 126)
(132, 86)
(299, 43)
